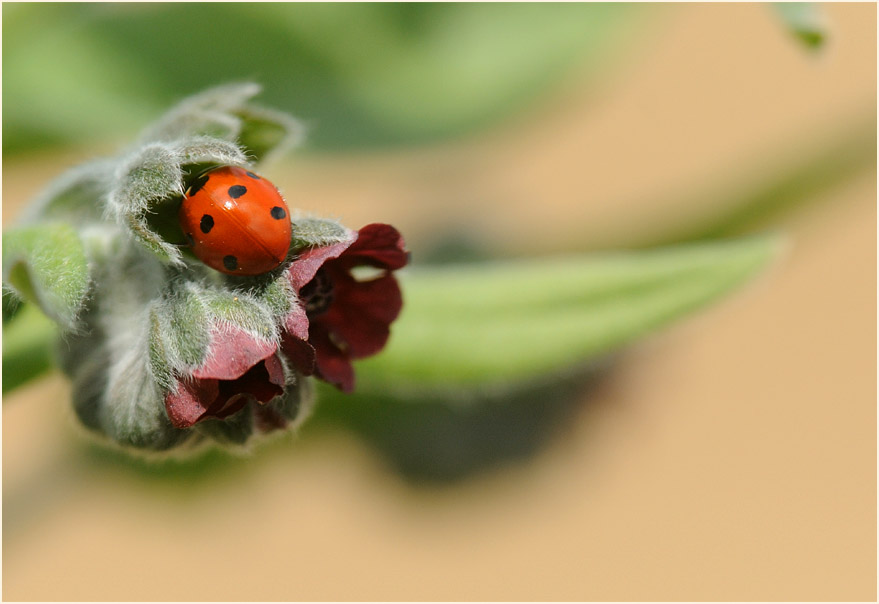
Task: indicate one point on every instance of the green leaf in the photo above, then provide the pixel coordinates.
(747, 201)
(46, 264)
(160, 363)
(146, 195)
(133, 412)
(310, 231)
(266, 133)
(179, 334)
(805, 20)
(224, 112)
(208, 113)
(242, 310)
(26, 347)
(362, 74)
(490, 361)
(477, 325)
(11, 306)
(190, 328)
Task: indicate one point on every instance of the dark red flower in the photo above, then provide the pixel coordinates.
(239, 368)
(346, 313)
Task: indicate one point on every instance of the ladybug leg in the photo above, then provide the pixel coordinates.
(186, 243)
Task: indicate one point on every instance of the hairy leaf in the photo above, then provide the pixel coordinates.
(207, 113)
(266, 133)
(47, 265)
(242, 310)
(150, 181)
(133, 412)
(179, 333)
(309, 231)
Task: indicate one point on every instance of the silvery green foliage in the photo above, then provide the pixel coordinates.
(132, 189)
(47, 264)
(152, 176)
(226, 113)
(97, 252)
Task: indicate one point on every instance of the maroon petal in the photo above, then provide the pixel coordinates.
(303, 269)
(299, 352)
(197, 399)
(379, 245)
(261, 383)
(239, 368)
(296, 322)
(190, 402)
(362, 314)
(294, 341)
(332, 364)
(232, 352)
(275, 370)
(356, 322)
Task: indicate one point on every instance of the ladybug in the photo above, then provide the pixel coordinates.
(235, 221)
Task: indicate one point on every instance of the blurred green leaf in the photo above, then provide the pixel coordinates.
(11, 306)
(359, 74)
(805, 20)
(762, 195)
(756, 203)
(46, 264)
(62, 83)
(490, 361)
(477, 325)
(26, 347)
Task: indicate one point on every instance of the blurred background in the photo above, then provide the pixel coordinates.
(731, 457)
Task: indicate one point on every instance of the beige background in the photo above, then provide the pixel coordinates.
(730, 457)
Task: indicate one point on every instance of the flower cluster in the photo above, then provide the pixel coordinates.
(163, 350)
(335, 318)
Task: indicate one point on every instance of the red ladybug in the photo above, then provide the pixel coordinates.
(236, 222)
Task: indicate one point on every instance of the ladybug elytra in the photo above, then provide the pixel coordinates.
(236, 222)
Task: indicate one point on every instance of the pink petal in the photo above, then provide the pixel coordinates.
(275, 370)
(232, 353)
(197, 399)
(303, 269)
(296, 322)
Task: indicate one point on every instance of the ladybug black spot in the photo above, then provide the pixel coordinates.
(236, 191)
(197, 185)
(252, 175)
(230, 262)
(207, 223)
(278, 213)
